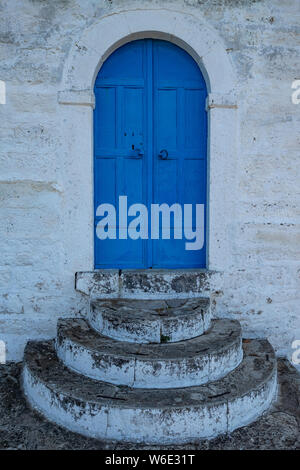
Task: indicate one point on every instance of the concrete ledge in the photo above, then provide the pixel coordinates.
(76, 97)
(219, 100)
(144, 284)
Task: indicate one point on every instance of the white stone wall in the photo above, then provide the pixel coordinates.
(261, 282)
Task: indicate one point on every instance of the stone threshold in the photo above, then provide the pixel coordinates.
(150, 283)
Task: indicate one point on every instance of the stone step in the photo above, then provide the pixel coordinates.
(183, 364)
(150, 321)
(149, 283)
(105, 411)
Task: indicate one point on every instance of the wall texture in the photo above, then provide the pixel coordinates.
(261, 284)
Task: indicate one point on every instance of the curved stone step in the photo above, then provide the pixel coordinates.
(173, 416)
(183, 364)
(150, 321)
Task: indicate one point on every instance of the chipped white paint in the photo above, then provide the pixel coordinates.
(163, 422)
(125, 424)
(50, 55)
(149, 329)
(145, 331)
(204, 359)
(121, 370)
(2, 92)
(2, 352)
(249, 407)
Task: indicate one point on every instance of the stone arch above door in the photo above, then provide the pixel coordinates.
(110, 32)
(190, 32)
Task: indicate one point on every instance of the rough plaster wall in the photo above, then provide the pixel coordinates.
(261, 288)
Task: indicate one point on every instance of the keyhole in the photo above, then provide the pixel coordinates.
(132, 147)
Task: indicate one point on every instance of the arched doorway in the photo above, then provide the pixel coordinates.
(150, 148)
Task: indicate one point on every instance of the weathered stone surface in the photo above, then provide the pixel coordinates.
(156, 283)
(46, 187)
(102, 410)
(105, 282)
(23, 429)
(183, 364)
(144, 284)
(150, 321)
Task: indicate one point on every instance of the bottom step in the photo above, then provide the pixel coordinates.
(173, 416)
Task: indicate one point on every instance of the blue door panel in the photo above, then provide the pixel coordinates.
(192, 174)
(166, 115)
(105, 187)
(174, 64)
(195, 129)
(150, 96)
(179, 96)
(166, 182)
(125, 63)
(105, 117)
(133, 119)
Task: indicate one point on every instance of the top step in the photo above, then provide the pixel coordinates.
(150, 321)
(145, 283)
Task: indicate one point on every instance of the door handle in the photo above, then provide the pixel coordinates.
(163, 154)
(139, 153)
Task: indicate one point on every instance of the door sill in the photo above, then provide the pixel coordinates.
(144, 283)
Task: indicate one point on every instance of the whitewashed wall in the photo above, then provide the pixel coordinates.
(261, 281)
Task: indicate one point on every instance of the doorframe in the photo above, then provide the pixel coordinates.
(188, 30)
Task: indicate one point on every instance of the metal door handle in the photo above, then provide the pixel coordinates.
(163, 154)
(139, 153)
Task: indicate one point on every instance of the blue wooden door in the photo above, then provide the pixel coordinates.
(150, 145)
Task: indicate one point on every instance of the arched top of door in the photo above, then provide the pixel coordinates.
(187, 30)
